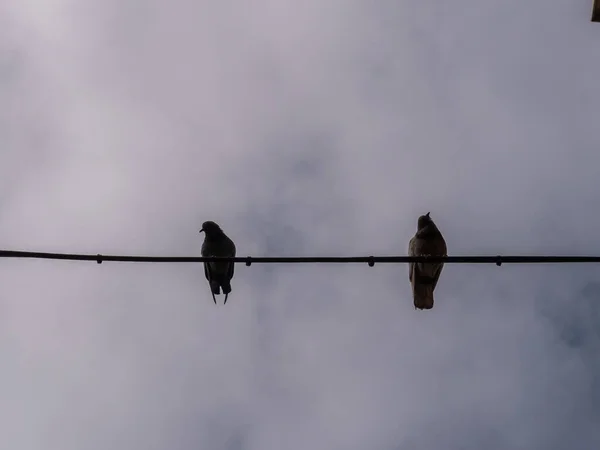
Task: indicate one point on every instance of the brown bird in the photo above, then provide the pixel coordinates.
(424, 276)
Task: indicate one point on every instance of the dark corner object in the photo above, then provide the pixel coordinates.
(596, 11)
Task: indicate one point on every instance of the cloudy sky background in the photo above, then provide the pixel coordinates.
(317, 127)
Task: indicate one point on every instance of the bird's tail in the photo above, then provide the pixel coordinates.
(226, 285)
(423, 295)
(215, 287)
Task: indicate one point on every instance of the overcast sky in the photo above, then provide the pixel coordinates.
(302, 127)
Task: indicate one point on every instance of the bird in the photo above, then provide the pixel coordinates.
(428, 240)
(218, 273)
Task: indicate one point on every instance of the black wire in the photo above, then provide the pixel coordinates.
(248, 260)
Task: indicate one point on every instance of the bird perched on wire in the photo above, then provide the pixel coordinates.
(424, 276)
(218, 273)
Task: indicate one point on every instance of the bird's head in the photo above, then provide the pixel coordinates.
(211, 228)
(424, 221)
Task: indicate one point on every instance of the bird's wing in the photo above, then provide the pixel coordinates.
(207, 273)
(437, 274)
(205, 253)
(231, 267)
(411, 252)
(440, 249)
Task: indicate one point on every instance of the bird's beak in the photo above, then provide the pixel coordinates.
(201, 230)
(428, 214)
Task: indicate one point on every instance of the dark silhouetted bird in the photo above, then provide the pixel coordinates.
(218, 273)
(424, 276)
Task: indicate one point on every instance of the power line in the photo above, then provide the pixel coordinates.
(248, 260)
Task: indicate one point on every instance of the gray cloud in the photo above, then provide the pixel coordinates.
(302, 128)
